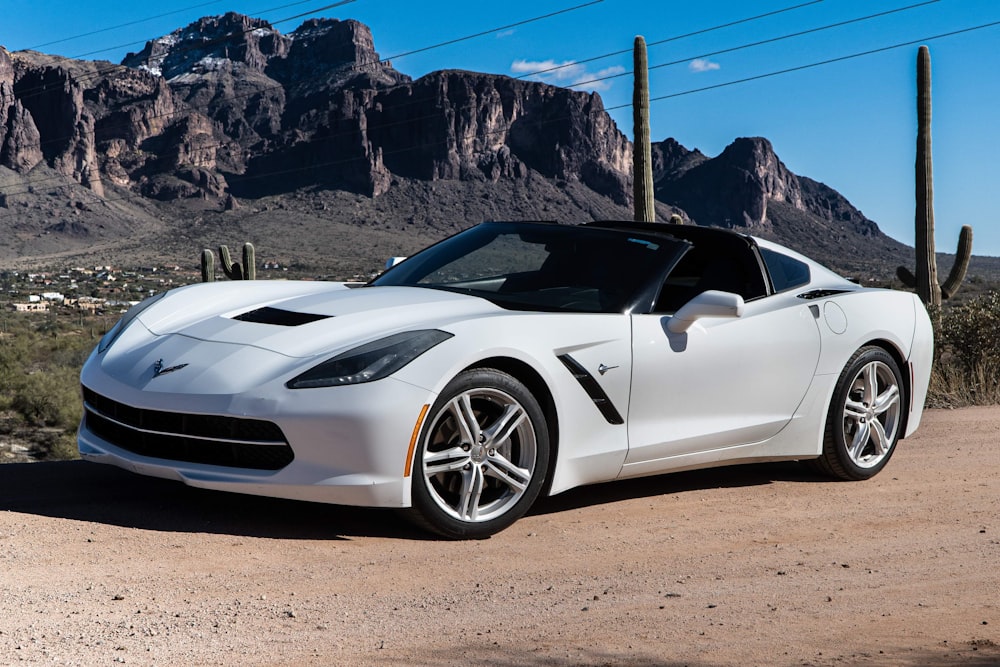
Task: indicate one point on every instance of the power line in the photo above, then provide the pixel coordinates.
(95, 170)
(344, 161)
(829, 61)
(675, 38)
(763, 42)
(490, 32)
(273, 23)
(362, 66)
(99, 72)
(121, 25)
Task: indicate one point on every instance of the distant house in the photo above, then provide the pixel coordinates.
(31, 307)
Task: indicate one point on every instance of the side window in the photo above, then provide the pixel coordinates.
(786, 272)
(724, 267)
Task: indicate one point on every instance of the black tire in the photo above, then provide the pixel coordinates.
(482, 456)
(866, 417)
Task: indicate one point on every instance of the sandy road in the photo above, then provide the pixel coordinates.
(761, 565)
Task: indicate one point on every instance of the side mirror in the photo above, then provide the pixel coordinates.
(712, 303)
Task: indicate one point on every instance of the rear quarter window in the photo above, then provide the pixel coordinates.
(786, 272)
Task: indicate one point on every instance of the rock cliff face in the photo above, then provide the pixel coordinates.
(20, 142)
(738, 188)
(228, 105)
(228, 108)
(749, 189)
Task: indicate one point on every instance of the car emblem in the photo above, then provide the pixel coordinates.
(602, 369)
(159, 370)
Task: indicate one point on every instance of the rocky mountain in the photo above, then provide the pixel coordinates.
(748, 188)
(226, 126)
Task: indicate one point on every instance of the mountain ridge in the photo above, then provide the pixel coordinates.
(227, 119)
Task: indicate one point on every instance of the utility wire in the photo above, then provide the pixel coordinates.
(28, 93)
(763, 42)
(273, 23)
(360, 66)
(343, 161)
(698, 32)
(25, 94)
(829, 61)
(675, 38)
(121, 25)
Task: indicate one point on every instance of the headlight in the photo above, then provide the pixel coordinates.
(126, 319)
(370, 362)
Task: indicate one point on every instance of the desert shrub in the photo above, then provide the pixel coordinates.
(48, 398)
(967, 355)
(971, 333)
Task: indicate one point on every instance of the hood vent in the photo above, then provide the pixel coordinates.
(283, 318)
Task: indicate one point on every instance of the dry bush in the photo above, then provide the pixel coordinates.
(967, 356)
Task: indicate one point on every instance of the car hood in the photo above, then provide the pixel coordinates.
(340, 317)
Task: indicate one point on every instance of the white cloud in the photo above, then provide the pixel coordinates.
(505, 33)
(702, 65)
(566, 73)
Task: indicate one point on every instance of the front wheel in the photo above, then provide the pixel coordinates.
(482, 456)
(865, 418)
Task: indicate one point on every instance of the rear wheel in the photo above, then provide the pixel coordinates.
(865, 419)
(482, 456)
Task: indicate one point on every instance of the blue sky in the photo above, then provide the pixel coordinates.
(850, 124)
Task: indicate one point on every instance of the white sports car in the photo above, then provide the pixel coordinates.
(509, 360)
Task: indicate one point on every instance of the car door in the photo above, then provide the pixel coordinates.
(722, 383)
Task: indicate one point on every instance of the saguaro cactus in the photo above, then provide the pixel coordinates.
(926, 279)
(642, 151)
(207, 266)
(233, 270)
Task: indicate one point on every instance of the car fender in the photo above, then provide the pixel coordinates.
(589, 447)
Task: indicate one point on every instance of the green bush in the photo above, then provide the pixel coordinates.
(971, 333)
(49, 398)
(967, 355)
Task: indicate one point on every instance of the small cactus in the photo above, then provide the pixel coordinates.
(207, 266)
(233, 270)
(642, 151)
(249, 262)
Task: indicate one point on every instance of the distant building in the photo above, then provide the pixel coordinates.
(31, 307)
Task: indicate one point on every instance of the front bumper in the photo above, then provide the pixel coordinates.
(348, 445)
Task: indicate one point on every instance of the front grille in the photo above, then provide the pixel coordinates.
(233, 442)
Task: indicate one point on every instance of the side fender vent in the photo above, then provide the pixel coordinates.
(593, 389)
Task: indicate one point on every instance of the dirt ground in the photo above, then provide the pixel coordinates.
(753, 565)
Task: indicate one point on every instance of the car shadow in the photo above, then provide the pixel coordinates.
(85, 491)
(734, 476)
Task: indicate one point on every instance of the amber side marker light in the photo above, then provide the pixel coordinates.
(413, 440)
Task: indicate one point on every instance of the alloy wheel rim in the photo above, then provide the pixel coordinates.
(871, 415)
(480, 455)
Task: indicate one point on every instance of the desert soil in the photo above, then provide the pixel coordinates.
(753, 565)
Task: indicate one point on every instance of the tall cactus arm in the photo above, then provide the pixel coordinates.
(229, 267)
(906, 277)
(961, 265)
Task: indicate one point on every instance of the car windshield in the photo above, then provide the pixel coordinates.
(542, 266)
